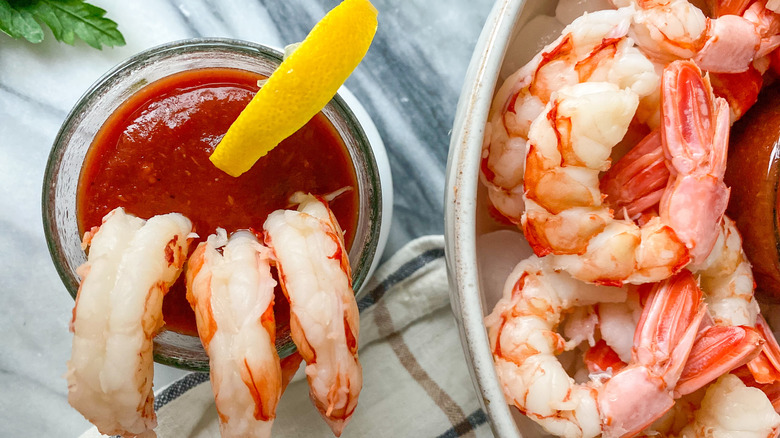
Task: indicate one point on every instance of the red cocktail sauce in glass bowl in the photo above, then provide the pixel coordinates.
(152, 157)
(140, 138)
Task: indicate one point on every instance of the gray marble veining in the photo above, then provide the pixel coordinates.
(409, 83)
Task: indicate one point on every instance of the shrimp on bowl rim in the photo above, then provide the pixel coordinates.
(314, 272)
(231, 289)
(131, 264)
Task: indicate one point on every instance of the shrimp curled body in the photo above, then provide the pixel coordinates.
(231, 290)
(131, 264)
(315, 276)
(524, 341)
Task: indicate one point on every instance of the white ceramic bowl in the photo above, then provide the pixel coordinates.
(514, 31)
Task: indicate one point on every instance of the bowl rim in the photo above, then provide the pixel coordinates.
(460, 210)
(377, 173)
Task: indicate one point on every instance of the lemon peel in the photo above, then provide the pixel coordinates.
(305, 81)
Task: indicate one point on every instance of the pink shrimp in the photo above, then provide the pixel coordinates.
(668, 30)
(592, 48)
(565, 214)
(315, 276)
(691, 197)
(644, 390)
(231, 290)
(736, 45)
(524, 341)
(689, 152)
(695, 138)
(730, 408)
(131, 264)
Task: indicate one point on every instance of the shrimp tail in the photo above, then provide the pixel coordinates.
(695, 139)
(716, 351)
(642, 392)
(637, 181)
(765, 368)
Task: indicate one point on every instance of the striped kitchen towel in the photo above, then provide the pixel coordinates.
(415, 378)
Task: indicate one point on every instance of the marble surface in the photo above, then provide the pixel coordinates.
(409, 83)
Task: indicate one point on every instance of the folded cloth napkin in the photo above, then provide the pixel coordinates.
(415, 378)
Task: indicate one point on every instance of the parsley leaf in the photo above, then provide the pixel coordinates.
(67, 20)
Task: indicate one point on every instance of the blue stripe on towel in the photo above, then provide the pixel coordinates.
(406, 270)
(473, 421)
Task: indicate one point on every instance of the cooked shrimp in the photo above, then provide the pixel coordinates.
(695, 139)
(692, 203)
(643, 391)
(592, 48)
(727, 279)
(679, 169)
(730, 408)
(524, 341)
(565, 214)
(668, 30)
(131, 265)
(315, 276)
(669, 355)
(231, 290)
(717, 349)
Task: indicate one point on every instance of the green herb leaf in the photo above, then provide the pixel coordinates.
(19, 23)
(67, 20)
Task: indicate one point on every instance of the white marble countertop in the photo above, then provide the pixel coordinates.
(409, 83)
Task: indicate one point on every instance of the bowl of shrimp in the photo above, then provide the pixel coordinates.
(300, 261)
(599, 285)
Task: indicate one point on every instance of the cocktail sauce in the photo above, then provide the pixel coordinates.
(151, 157)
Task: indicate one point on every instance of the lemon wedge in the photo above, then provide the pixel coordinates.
(300, 87)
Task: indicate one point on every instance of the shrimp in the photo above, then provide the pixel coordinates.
(669, 357)
(592, 48)
(524, 341)
(231, 290)
(695, 140)
(668, 30)
(643, 391)
(315, 276)
(691, 204)
(565, 215)
(729, 408)
(131, 264)
(680, 168)
(727, 279)
(736, 46)
(716, 349)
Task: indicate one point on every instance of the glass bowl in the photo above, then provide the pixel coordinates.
(109, 92)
